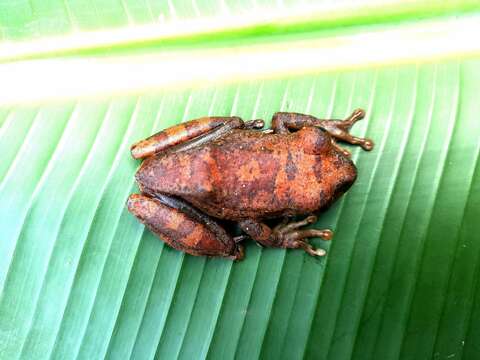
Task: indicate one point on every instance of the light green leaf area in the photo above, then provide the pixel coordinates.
(80, 277)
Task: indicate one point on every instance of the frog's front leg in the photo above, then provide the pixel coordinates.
(183, 227)
(189, 134)
(286, 235)
(282, 122)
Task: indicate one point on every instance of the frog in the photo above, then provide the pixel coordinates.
(199, 175)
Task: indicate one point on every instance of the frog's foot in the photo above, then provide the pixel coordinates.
(339, 129)
(286, 235)
(289, 236)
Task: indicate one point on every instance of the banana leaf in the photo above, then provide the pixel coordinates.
(81, 81)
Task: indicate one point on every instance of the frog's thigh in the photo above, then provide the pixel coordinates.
(181, 228)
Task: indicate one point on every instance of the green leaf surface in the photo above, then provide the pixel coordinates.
(80, 277)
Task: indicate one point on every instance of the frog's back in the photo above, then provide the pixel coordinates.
(250, 174)
(258, 175)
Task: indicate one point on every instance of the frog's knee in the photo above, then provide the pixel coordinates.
(314, 141)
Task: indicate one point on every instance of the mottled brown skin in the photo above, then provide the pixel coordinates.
(181, 231)
(222, 168)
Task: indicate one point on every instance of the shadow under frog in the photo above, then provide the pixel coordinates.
(222, 168)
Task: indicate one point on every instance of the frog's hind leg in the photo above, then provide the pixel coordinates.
(286, 235)
(282, 122)
(183, 227)
(189, 134)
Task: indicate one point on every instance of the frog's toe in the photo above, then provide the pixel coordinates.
(366, 144)
(357, 114)
(286, 226)
(311, 250)
(325, 234)
(239, 254)
(297, 239)
(312, 219)
(255, 124)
